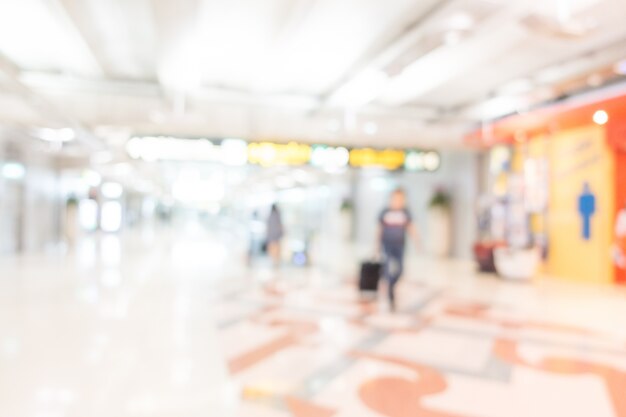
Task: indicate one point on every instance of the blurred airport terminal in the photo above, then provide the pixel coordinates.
(312, 208)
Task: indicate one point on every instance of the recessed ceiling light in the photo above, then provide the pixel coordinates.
(600, 117)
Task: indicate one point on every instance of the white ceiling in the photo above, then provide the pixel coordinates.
(280, 69)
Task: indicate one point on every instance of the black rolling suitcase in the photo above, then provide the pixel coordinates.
(370, 275)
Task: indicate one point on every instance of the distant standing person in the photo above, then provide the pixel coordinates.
(394, 223)
(275, 232)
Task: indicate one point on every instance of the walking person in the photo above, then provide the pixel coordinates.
(275, 232)
(394, 223)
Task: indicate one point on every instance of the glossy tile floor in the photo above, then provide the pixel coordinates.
(163, 326)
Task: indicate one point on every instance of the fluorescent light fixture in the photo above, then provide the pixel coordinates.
(57, 135)
(13, 171)
(361, 90)
(112, 190)
(601, 117)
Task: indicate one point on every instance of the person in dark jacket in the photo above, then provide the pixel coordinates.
(395, 222)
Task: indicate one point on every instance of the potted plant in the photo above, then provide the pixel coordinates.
(71, 220)
(440, 222)
(346, 219)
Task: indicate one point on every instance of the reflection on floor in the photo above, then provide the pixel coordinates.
(162, 327)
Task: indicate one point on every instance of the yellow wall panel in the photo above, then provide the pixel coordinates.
(580, 157)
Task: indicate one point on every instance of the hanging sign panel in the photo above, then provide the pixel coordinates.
(391, 159)
(237, 152)
(272, 154)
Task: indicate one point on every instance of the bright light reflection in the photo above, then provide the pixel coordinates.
(191, 255)
(111, 250)
(112, 190)
(88, 215)
(111, 216)
(13, 171)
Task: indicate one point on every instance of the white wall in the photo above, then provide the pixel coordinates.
(458, 174)
(30, 207)
(42, 207)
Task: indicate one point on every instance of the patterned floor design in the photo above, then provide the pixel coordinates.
(305, 351)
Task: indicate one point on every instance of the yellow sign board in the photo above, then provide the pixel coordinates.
(367, 157)
(271, 154)
(581, 205)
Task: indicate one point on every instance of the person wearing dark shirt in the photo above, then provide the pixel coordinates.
(394, 223)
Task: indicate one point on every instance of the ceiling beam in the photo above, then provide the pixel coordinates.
(389, 46)
(60, 9)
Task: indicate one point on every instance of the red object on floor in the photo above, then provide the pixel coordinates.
(483, 253)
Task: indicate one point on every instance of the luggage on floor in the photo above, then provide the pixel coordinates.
(370, 275)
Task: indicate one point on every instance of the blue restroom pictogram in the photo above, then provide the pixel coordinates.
(586, 209)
